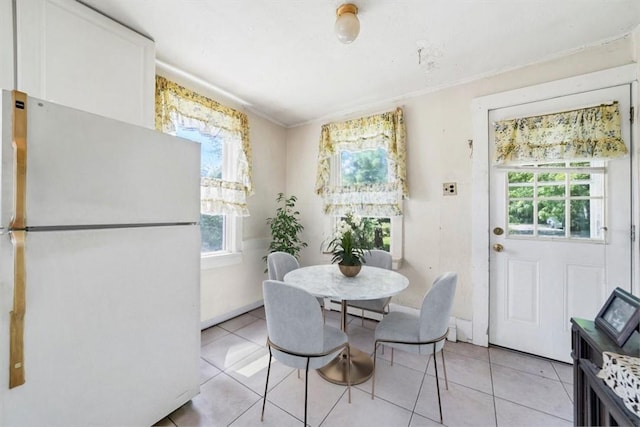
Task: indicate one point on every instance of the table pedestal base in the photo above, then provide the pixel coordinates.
(336, 371)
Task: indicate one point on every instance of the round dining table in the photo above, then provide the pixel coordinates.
(327, 281)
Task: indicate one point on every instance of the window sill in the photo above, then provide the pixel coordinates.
(208, 262)
(396, 263)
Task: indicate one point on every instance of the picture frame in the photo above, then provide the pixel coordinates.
(619, 316)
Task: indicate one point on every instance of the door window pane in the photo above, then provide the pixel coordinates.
(521, 217)
(551, 218)
(565, 203)
(551, 190)
(518, 191)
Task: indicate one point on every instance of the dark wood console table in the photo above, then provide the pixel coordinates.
(595, 404)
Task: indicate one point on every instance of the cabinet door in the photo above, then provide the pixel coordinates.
(72, 55)
(6, 44)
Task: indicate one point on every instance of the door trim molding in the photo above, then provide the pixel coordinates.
(480, 226)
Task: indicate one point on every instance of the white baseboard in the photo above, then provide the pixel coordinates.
(230, 315)
(465, 330)
(459, 329)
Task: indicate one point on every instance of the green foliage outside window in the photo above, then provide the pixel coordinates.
(211, 232)
(552, 200)
(363, 167)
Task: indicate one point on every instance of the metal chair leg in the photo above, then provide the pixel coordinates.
(435, 365)
(266, 386)
(349, 371)
(306, 390)
(373, 376)
(444, 367)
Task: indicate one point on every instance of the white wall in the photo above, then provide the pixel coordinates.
(437, 229)
(233, 289)
(228, 289)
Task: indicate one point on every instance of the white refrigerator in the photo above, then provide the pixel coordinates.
(99, 268)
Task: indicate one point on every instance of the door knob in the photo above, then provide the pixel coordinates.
(498, 231)
(498, 247)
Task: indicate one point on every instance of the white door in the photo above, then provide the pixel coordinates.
(560, 237)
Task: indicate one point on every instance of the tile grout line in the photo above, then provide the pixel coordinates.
(520, 404)
(493, 390)
(415, 404)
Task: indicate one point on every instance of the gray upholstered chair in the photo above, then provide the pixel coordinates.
(380, 259)
(297, 336)
(279, 264)
(422, 333)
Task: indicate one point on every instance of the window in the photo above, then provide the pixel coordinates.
(361, 169)
(212, 227)
(368, 166)
(557, 200)
(225, 169)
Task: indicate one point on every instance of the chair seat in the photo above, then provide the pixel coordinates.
(400, 326)
(333, 337)
(375, 305)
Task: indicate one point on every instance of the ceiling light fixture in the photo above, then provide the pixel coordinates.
(347, 25)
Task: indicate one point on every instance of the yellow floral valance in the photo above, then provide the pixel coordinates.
(584, 134)
(179, 106)
(386, 130)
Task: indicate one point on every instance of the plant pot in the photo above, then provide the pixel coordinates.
(349, 270)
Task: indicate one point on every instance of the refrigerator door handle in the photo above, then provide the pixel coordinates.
(19, 143)
(16, 327)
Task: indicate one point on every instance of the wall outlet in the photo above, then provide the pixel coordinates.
(449, 189)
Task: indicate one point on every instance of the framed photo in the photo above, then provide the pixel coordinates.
(619, 316)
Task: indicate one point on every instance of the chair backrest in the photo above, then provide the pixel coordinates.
(436, 307)
(294, 319)
(378, 258)
(279, 264)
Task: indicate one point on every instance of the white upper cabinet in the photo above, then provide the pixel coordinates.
(70, 54)
(6, 44)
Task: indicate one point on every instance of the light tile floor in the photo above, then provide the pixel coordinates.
(487, 386)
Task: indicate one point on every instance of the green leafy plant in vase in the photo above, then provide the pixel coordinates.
(285, 228)
(349, 245)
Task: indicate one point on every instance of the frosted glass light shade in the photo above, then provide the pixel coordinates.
(347, 25)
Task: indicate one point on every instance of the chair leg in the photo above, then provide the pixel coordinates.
(391, 356)
(306, 389)
(266, 386)
(349, 372)
(435, 365)
(373, 376)
(444, 367)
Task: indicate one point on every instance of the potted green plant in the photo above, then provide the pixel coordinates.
(349, 245)
(285, 228)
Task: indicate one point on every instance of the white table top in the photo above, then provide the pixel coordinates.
(327, 281)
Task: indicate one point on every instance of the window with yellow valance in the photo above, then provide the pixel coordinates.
(592, 133)
(178, 107)
(382, 133)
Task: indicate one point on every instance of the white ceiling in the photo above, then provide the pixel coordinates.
(283, 60)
